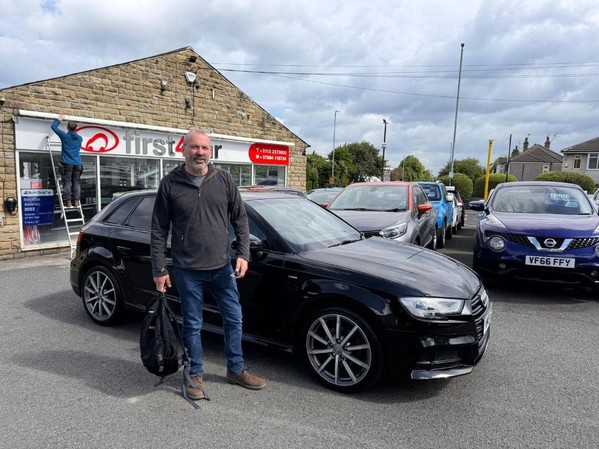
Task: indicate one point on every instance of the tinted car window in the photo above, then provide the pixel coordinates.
(420, 196)
(142, 216)
(120, 214)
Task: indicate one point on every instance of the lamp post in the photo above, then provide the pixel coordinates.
(333, 168)
(384, 146)
(455, 123)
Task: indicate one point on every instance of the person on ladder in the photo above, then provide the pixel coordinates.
(70, 166)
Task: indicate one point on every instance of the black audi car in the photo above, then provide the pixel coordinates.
(352, 307)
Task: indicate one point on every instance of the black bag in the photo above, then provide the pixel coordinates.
(161, 345)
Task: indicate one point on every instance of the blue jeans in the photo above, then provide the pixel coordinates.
(71, 186)
(191, 285)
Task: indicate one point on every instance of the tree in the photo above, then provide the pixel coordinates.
(356, 162)
(462, 183)
(584, 181)
(494, 179)
(318, 171)
(471, 167)
(410, 169)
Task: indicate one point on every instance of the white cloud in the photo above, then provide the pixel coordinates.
(522, 60)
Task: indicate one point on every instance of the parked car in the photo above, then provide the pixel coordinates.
(273, 188)
(394, 210)
(537, 230)
(596, 197)
(443, 204)
(461, 207)
(324, 195)
(352, 307)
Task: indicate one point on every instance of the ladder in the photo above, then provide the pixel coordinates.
(72, 216)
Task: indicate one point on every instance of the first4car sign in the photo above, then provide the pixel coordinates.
(561, 262)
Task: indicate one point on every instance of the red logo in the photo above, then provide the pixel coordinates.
(102, 140)
(269, 154)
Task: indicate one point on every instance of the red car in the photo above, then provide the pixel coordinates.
(394, 210)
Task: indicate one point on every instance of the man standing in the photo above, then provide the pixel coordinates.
(198, 201)
(70, 161)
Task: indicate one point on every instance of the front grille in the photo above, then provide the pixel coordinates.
(478, 310)
(583, 243)
(523, 240)
(515, 238)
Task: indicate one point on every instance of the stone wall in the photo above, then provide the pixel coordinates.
(131, 92)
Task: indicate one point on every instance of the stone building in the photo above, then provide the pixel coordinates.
(132, 118)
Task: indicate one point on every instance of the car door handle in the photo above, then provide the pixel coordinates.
(123, 249)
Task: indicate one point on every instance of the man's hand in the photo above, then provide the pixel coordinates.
(61, 117)
(162, 282)
(240, 268)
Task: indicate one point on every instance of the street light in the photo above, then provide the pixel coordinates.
(384, 146)
(334, 127)
(455, 123)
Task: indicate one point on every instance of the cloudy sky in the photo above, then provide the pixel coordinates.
(530, 68)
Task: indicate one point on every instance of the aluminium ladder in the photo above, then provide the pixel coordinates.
(72, 216)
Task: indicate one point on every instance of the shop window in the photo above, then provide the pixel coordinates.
(242, 174)
(269, 175)
(121, 174)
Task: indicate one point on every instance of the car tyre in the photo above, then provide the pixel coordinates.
(441, 238)
(101, 296)
(342, 350)
(449, 232)
(433, 244)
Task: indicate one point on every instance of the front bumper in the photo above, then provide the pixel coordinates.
(444, 350)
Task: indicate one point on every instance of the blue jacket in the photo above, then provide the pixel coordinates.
(71, 145)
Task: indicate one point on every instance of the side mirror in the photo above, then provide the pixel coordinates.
(256, 247)
(424, 208)
(449, 198)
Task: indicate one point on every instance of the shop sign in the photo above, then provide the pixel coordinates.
(37, 206)
(264, 153)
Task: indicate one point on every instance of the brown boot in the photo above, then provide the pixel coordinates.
(195, 390)
(75, 203)
(68, 204)
(246, 380)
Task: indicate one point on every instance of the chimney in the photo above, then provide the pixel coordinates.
(525, 145)
(547, 143)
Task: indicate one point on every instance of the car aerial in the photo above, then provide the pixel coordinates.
(461, 208)
(394, 210)
(354, 308)
(443, 204)
(538, 231)
(324, 195)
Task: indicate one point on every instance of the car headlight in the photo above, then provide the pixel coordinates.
(432, 308)
(496, 243)
(492, 220)
(394, 232)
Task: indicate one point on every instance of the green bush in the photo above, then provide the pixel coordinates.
(586, 182)
(494, 179)
(462, 183)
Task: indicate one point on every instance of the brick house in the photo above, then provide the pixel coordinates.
(583, 158)
(533, 161)
(132, 117)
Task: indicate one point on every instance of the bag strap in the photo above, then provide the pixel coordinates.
(186, 380)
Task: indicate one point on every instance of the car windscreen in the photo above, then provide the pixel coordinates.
(560, 200)
(372, 198)
(432, 192)
(304, 224)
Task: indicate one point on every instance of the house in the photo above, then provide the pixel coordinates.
(533, 161)
(133, 117)
(583, 158)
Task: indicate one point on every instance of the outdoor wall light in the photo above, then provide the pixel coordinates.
(10, 204)
(163, 84)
